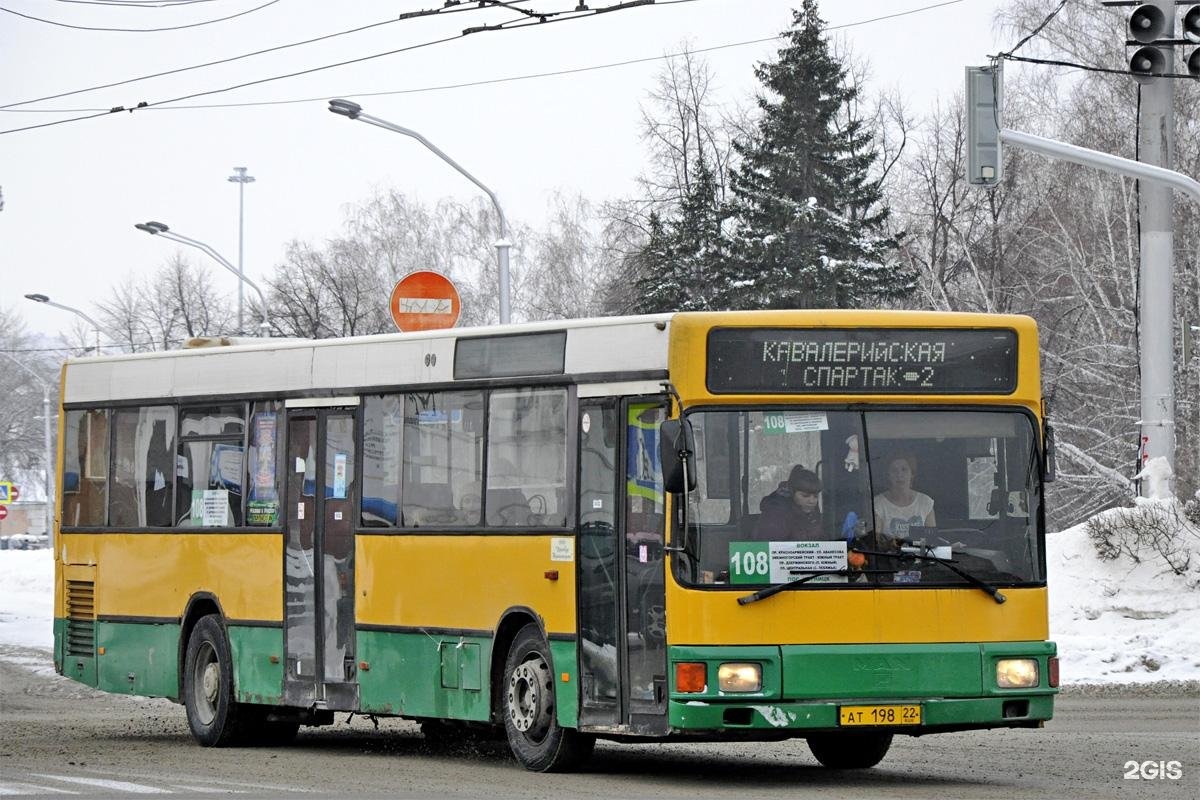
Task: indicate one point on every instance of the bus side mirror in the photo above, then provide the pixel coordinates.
(1050, 465)
(677, 454)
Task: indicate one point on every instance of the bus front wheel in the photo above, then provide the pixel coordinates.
(528, 705)
(213, 715)
(858, 750)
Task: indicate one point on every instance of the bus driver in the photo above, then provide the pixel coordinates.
(900, 507)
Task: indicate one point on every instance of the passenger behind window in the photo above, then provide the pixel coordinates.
(507, 507)
(901, 507)
(792, 512)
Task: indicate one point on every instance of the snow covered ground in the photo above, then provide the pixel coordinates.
(1115, 621)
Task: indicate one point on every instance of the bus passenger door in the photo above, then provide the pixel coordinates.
(622, 637)
(319, 560)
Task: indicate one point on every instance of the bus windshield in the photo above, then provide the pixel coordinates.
(789, 492)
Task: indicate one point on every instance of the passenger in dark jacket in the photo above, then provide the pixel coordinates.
(791, 512)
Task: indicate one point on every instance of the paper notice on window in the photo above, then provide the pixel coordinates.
(784, 562)
(210, 507)
(792, 560)
(781, 422)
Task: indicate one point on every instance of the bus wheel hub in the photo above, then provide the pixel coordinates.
(528, 704)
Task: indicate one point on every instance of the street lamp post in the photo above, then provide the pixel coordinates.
(159, 229)
(352, 110)
(48, 475)
(41, 298)
(241, 179)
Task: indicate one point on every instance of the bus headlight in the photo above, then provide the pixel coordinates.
(1016, 673)
(739, 677)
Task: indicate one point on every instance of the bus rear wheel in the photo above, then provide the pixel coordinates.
(858, 750)
(213, 716)
(539, 743)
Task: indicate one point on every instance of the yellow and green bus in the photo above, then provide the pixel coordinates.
(825, 525)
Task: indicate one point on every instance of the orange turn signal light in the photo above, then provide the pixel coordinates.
(691, 676)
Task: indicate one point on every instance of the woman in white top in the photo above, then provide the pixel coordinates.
(899, 508)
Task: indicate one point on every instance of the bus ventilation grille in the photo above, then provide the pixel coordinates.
(81, 618)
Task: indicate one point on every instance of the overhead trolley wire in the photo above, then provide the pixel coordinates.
(138, 30)
(162, 105)
(144, 104)
(411, 15)
(438, 87)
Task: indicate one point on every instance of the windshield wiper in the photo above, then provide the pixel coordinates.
(766, 592)
(987, 588)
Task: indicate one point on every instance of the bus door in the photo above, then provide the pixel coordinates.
(622, 632)
(319, 559)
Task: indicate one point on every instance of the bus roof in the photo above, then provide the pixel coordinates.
(623, 349)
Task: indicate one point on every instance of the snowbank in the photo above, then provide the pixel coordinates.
(27, 598)
(1117, 621)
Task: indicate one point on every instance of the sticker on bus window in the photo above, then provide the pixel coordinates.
(339, 476)
(781, 562)
(794, 422)
(262, 512)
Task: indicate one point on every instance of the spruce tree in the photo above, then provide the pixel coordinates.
(810, 230)
(684, 256)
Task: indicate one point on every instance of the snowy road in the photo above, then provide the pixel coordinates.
(58, 738)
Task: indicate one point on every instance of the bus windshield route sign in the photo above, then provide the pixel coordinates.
(862, 361)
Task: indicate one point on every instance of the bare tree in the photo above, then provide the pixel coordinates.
(568, 267)
(22, 437)
(178, 302)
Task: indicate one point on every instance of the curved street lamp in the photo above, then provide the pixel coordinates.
(41, 298)
(159, 229)
(352, 110)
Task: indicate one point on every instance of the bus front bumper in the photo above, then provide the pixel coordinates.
(905, 688)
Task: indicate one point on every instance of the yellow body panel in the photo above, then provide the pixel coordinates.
(154, 574)
(461, 581)
(854, 616)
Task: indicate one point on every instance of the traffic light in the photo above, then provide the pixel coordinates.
(1191, 32)
(1147, 24)
(985, 161)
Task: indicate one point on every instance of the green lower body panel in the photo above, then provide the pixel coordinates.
(422, 675)
(258, 660)
(142, 658)
(803, 686)
(565, 682)
(138, 658)
(74, 665)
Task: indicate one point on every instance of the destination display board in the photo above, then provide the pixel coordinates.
(862, 361)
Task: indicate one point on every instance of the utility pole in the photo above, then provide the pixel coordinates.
(985, 136)
(241, 179)
(1156, 312)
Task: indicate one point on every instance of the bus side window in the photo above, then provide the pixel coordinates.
(442, 455)
(84, 480)
(526, 454)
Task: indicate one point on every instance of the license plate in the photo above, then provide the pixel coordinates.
(879, 715)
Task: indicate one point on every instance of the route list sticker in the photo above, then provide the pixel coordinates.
(781, 562)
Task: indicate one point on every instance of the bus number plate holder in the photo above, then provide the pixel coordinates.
(852, 716)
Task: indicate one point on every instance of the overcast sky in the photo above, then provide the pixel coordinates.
(73, 191)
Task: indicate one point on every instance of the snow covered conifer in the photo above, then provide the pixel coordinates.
(810, 230)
